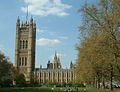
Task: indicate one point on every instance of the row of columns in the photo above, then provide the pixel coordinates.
(55, 76)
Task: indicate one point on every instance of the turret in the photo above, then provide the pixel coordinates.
(71, 65)
(40, 66)
(31, 20)
(18, 21)
(55, 57)
(56, 62)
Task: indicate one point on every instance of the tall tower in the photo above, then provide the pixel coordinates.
(25, 47)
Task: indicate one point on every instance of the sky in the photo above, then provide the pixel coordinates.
(57, 24)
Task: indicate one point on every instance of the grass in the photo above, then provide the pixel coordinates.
(25, 90)
(50, 90)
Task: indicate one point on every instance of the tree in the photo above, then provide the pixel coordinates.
(99, 52)
(34, 81)
(20, 80)
(91, 65)
(6, 73)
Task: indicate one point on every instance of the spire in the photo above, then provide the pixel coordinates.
(56, 53)
(18, 21)
(55, 57)
(48, 61)
(31, 19)
(27, 14)
(71, 65)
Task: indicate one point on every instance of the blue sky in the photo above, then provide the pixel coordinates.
(57, 27)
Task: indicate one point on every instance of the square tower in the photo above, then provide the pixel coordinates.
(25, 47)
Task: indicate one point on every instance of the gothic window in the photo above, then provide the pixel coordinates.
(25, 61)
(20, 44)
(19, 61)
(26, 44)
(23, 44)
(22, 61)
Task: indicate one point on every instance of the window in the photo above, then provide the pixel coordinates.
(26, 44)
(19, 61)
(23, 44)
(20, 44)
(22, 61)
(25, 61)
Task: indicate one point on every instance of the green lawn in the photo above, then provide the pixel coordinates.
(26, 90)
(49, 90)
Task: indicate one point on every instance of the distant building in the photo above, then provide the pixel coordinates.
(25, 57)
(55, 73)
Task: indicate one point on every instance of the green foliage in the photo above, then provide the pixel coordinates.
(6, 73)
(20, 80)
(99, 51)
(34, 81)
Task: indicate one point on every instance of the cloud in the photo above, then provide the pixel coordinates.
(41, 31)
(63, 37)
(48, 42)
(46, 7)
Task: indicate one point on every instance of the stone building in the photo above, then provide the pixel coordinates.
(54, 73)
(25, 47)
(25, 57)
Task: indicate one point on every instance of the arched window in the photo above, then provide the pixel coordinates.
(20, 44)
(25, 61)
(19, 61)
(22, 61)
(26, 44)
(23, 44)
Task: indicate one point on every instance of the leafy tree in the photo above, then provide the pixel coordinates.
(34, 81)
(20, 80)
(6, 73)
(99, 51)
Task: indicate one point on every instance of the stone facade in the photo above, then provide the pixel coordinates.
(25, 47)
(25, 57)
(54, 73)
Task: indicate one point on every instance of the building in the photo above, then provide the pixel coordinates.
(54, 73)
(25, 47)
(25, 57)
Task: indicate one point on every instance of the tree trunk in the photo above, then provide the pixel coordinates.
(98, 80)
(103, 83)
(111, 77)
(95, 82)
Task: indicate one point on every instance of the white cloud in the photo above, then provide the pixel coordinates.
(46, 7)
(48, 42)
(40, 31)
(63, 37)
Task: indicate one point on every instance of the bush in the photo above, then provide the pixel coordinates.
(20, 80)
(6, 83)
